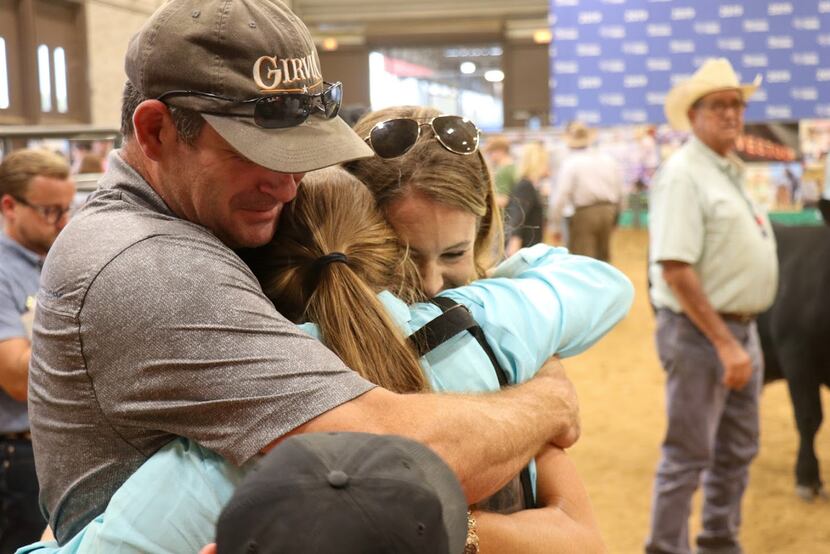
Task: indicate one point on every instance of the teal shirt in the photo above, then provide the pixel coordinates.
(542, 301)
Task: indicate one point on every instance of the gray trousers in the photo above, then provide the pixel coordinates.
(712, 432)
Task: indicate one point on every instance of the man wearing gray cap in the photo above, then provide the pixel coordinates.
(149, 325)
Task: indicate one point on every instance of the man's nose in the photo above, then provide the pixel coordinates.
(432, 279)
(282, 186)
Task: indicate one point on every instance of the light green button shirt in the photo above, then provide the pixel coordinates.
(700, 214)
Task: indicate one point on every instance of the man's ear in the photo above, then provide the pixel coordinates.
(7, 203)
(208, 549)
(691, 115)
(154, 128)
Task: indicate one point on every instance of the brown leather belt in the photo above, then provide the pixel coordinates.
(744, 319)
(21, 436)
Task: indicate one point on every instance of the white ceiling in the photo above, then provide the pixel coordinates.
(364, 11)
(444, 18)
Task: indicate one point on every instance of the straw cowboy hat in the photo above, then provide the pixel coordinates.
(579, 135)
(714, 75)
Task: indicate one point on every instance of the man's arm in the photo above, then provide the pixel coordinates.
(485, 438)
(14, 367)
(685, 285)
(563, 523)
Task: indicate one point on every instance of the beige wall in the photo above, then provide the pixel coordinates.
(351, 67)
(110, 24)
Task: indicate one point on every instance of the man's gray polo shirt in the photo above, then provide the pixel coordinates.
(148, 328)
(19, 281)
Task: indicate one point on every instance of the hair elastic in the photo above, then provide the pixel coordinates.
(327, 259)
(323, 261)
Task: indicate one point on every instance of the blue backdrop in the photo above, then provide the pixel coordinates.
(613, 61)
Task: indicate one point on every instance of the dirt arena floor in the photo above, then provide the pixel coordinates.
(620, 385)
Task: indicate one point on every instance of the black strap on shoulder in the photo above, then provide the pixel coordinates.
(455, 319)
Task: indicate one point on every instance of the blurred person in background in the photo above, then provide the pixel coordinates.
(525, 219)
(713, 268)
(591, 182)
(497, 150)
(35, 196)
(91, 163)
(77, 151)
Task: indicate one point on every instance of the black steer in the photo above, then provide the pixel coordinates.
(795, 337)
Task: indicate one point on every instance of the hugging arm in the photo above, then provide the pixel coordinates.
(549, 302)
(485, 438)
(564, 522)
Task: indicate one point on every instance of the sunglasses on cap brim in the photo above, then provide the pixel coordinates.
(395, 137)
(276, 111)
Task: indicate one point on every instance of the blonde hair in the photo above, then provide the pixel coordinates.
(433, 171)
(21, 166)
(334, 212)
(534, 163)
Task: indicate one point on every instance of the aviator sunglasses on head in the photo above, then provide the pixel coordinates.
(394, 137)
(277, 111)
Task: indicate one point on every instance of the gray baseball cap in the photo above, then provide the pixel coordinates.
(350, 493)
(241, 50)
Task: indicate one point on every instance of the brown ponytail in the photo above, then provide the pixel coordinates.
(334, 212)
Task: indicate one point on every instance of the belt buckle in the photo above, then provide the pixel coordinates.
(742, 318)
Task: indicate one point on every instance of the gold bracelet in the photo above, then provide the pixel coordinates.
(471, 546)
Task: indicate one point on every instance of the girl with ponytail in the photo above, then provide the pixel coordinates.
(340, 271)
(332, 255)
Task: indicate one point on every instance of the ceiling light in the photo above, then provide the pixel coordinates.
(467, 68)
(330, 43)
(494, 75)
(542, 36)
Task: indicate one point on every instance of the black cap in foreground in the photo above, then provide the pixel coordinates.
(350, 493)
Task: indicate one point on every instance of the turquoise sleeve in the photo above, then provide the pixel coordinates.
(557, 303)
(170, 504)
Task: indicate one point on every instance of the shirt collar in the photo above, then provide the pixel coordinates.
(121, 175)
(31, 257)
(730, 164)
(397, 308)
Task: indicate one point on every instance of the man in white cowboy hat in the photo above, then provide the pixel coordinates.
(591, 182)
(713, 268)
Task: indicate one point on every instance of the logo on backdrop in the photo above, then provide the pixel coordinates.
(615, 60)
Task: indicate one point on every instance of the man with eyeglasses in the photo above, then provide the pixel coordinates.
(35, 195)
(150, 327)
(713, 268)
